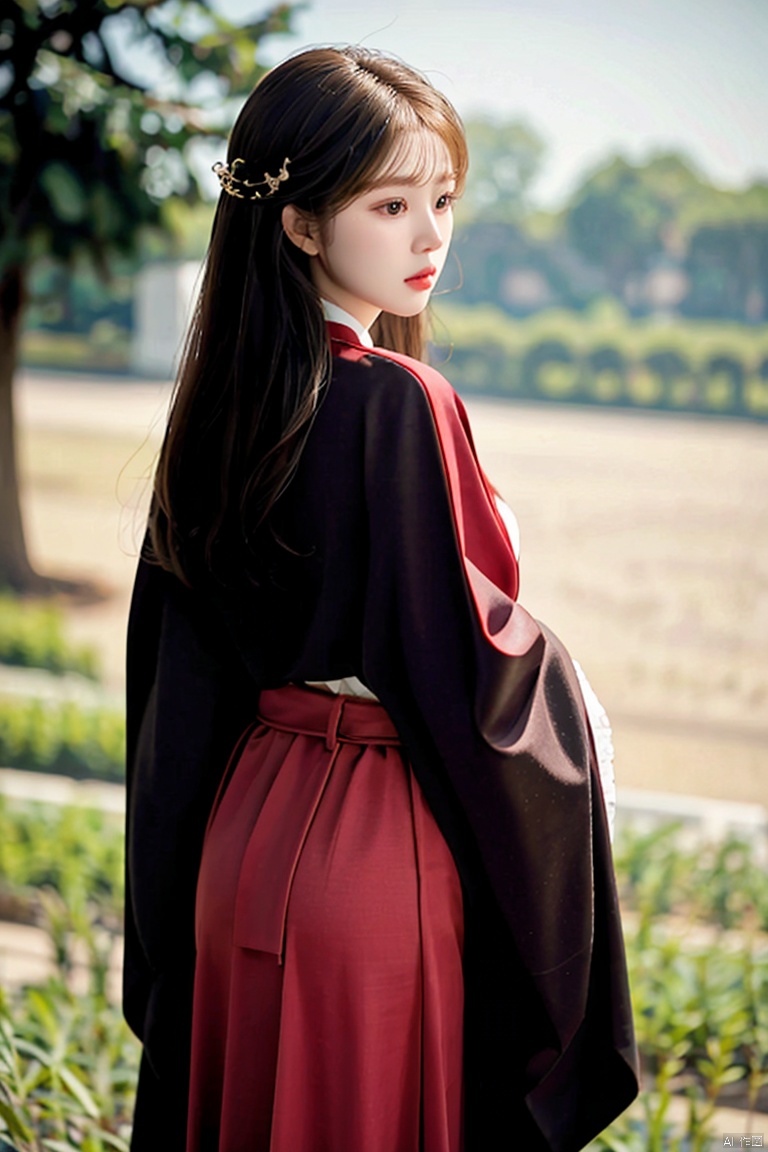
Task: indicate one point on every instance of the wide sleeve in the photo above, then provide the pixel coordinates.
(489, 706)
(597, 717)
(188, 699)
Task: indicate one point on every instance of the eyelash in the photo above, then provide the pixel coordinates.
(448, 197)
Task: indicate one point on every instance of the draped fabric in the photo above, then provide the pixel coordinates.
(328, 987)
(399, 572)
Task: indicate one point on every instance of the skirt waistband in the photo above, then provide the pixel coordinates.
(333, 717)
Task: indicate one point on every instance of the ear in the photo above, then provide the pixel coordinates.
(301, 229)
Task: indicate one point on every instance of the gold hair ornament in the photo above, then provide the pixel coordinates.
(234, 185)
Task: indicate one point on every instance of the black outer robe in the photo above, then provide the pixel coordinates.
(400, 574)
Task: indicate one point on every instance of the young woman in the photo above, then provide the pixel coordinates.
(370, 898)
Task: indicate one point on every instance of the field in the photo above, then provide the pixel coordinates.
(644, 545)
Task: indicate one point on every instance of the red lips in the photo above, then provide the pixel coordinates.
(423, 279)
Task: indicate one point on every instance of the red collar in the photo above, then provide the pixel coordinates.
(342, 334)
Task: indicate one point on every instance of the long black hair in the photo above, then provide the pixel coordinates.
(257, 356)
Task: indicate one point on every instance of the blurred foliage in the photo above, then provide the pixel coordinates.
(107, 108)
(76, 853)
(701, 1014)
(32, 636)
(60, 736)
(105, 348)
(657, 236)
(695, 918)
(68, 1072)
(68, 1062)
(103, 107)
(604, 357)
(727, 266)
(505, 158)
(74, 300)
(717, 882)
(618, 218)
(628, 219)
(65, 738)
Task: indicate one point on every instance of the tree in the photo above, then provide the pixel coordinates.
(618, 218)
(727, 267)
(506, 157)
(104, 105)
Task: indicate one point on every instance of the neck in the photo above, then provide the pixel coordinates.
(338, 315)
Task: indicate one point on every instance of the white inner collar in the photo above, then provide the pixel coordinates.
(338, 315)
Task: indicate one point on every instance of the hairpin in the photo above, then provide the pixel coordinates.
(236, 186)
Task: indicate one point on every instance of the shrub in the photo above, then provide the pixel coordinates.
(32, 636)
(695, 920)
(75, 852)
(606, 374)
(68, 1062)
(63, 738)
(603, 357)
(68, 1072)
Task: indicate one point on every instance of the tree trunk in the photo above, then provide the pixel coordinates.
(15, 570)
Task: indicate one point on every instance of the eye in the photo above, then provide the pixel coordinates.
(447, 200)
(392, 207)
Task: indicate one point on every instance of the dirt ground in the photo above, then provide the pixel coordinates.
(644, 545)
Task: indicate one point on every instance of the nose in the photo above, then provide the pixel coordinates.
(429, 236)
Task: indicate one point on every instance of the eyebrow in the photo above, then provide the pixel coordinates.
(411, 181)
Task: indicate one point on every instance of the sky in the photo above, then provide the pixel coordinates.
(590, 76)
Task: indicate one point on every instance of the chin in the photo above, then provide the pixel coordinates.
(406, 311)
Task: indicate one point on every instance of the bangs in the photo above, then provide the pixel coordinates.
(395, 127)
(421, 140)
(415, 156)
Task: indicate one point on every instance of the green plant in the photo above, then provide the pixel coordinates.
(62, 737)
(32, 636)
(604, 357)
(68, 1070)
(718, 882)
(76, 853)
(68, 1063)
(698, 959)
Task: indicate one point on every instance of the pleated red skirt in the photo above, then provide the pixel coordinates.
(328, 990)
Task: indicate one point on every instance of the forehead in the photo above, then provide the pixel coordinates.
(417, 156)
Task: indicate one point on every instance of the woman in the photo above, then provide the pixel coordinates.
(390, 923)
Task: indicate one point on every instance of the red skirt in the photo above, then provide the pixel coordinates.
(328, 999)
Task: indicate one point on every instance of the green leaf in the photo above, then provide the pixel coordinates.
(29, 1049)
(731, 1075)
(113, 1141)
(65, 192)
(15, 1124)
(80, 125)
(80, 1092)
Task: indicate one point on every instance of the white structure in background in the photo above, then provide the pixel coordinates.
(163, 297)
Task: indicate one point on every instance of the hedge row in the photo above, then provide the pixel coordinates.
(720, 369)
(32, 636)
(62, 738)
(77, 852)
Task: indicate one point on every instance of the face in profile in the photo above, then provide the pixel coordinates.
(384, 251)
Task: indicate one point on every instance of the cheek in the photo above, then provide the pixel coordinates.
(446, 232)
(361, 250)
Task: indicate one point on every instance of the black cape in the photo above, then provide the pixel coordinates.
(400, 573)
